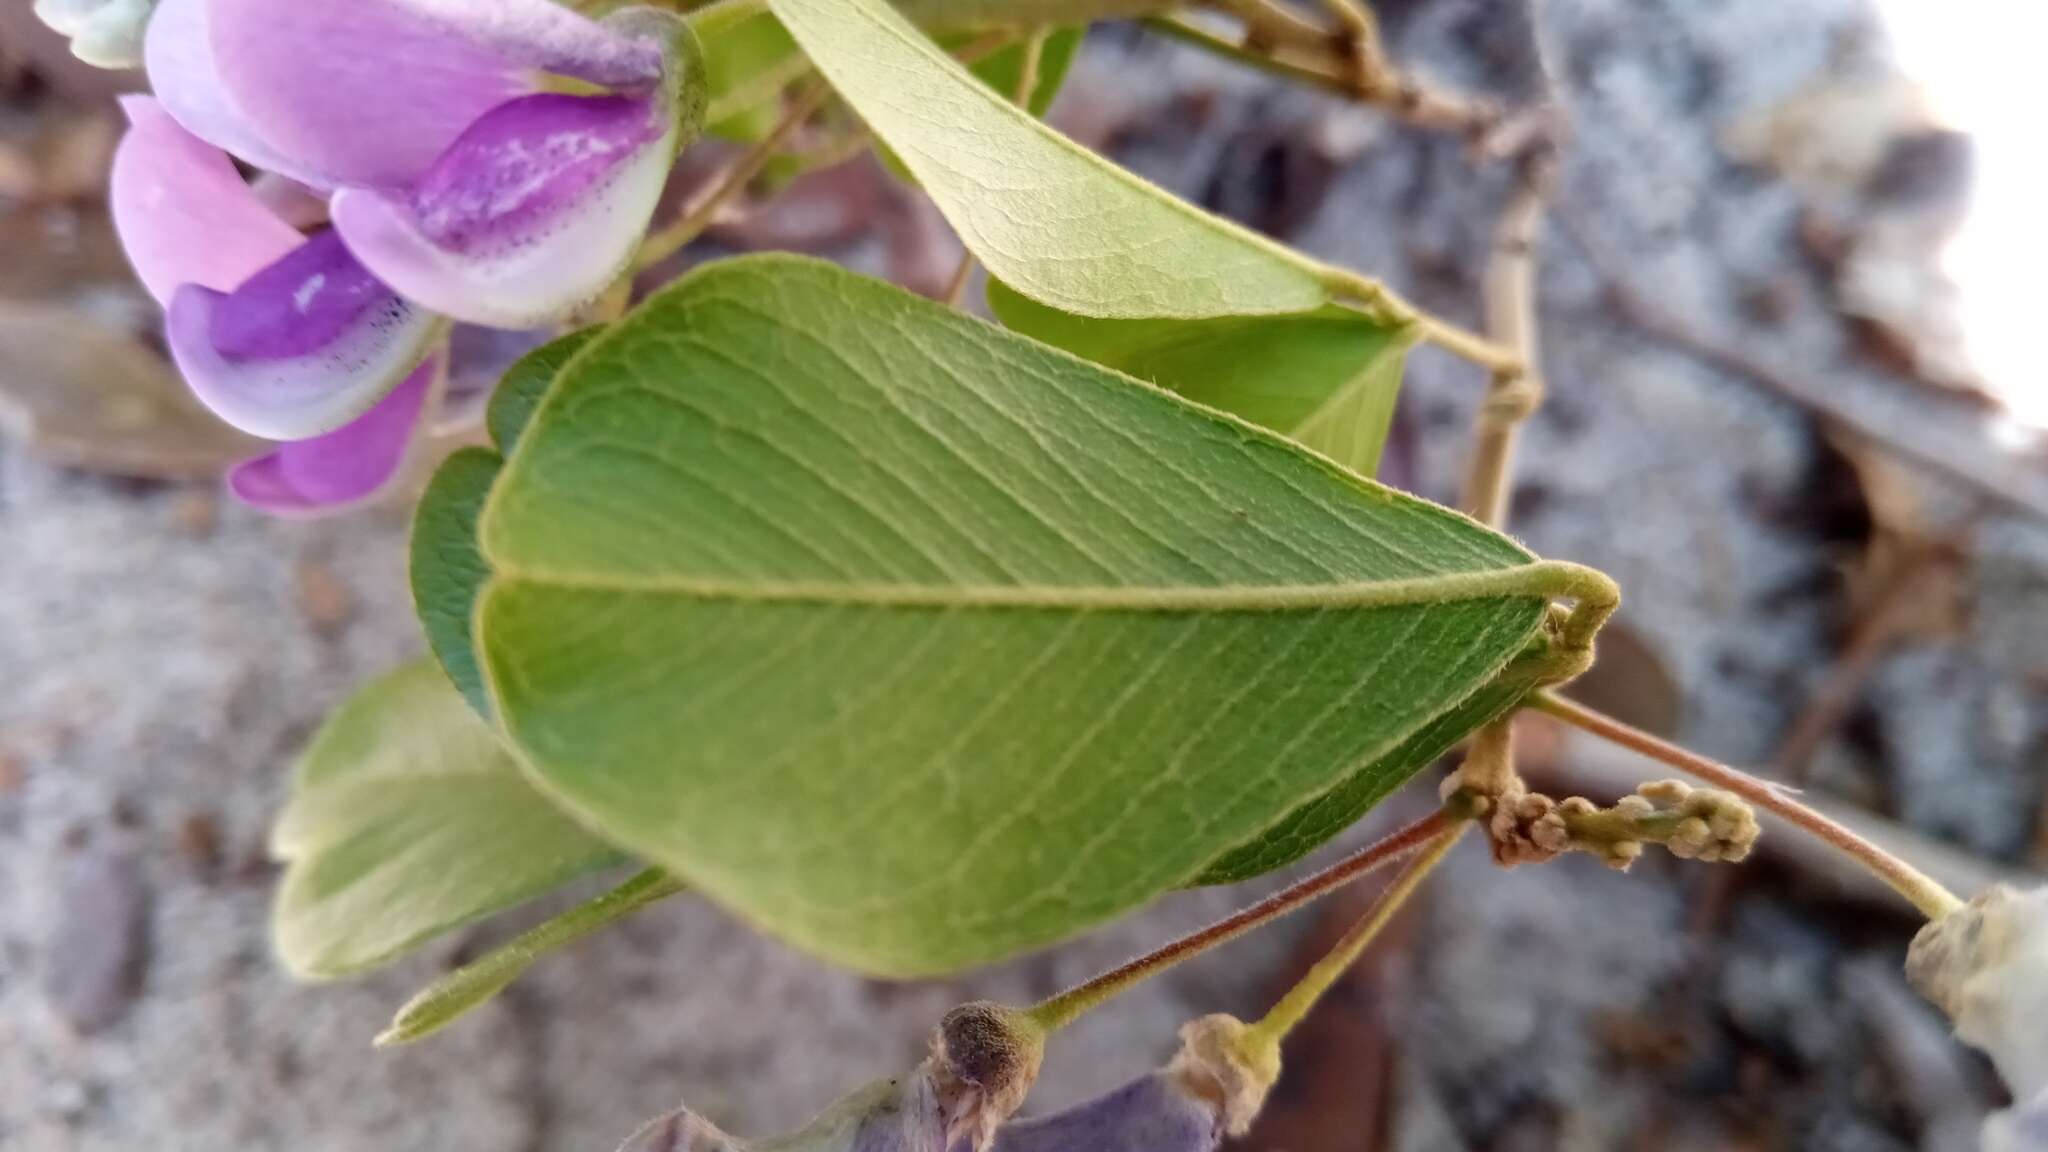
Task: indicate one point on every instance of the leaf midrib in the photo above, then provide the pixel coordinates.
(1539, 579)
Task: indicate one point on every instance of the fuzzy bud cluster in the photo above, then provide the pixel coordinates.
(104, 33)
(1527, 827)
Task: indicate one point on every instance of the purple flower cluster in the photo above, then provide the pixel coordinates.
(420, 162)
(1213, 1087)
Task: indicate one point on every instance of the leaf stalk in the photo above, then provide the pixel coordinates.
(1296, 1004)
(445, 1000)
(1058, 1011)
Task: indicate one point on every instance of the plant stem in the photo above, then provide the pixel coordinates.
(1933, 900)
(1182, 29)
(702, 209)
(1295, 1005)
(1360, 30)
(1510, 294)
(1378, 299)
(1059, 1011)
(1345, 63)
(445, 1000)
(956, 285)
(1269, 24)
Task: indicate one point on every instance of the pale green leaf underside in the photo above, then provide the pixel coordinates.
(1327, 378)
(407, 818)
(1048, 217)
(921, 643)
(1003, 72)
(1026, 13)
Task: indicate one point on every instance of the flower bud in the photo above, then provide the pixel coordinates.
(983, 1062)
(2021, 1128)
(1986, 965)
(985, 1058)
(104, 33)
(1214, 1086)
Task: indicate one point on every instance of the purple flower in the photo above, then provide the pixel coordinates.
(984, 1058)
(1214, 1086)
(489, 161)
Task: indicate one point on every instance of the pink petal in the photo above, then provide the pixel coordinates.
(371, 92)
(531, 213)
(303, 347)
(183, 212)
(346, 466)
(178, 52)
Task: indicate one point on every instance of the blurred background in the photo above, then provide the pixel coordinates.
(1796, 408)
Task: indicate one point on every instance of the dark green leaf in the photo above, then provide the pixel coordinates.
(448, 569)
(513, 401)
(920, 643)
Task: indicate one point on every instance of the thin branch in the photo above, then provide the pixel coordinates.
(1347, 61)
(1063, 1009)
(446, 999)
(1295, 1005)
(1269, 25)
(1383, 302)
(1510, 301)
(956, 285)
(702, 210)
(1926, 894)
(1188, 32)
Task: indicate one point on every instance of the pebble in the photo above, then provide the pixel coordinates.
(324, 601)
(98, 938)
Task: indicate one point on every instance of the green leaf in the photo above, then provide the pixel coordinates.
(1003, 72)
(1026, 13)
(474, 984)
(447, 568)
(920, 643)
(1048, 217)
(1312, 824)
(516, 396)
(1327, 378)
(407, 819)
(749, 59)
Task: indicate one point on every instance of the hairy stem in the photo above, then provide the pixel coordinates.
(1063, 1009)
(1269, 25)
(446, 999)
(1187, 31)
(1510, 294)
(1923, 891)
(1348, 61)
(1381, 301)
(1295, 1005)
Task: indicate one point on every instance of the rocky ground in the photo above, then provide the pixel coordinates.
(164, 656)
